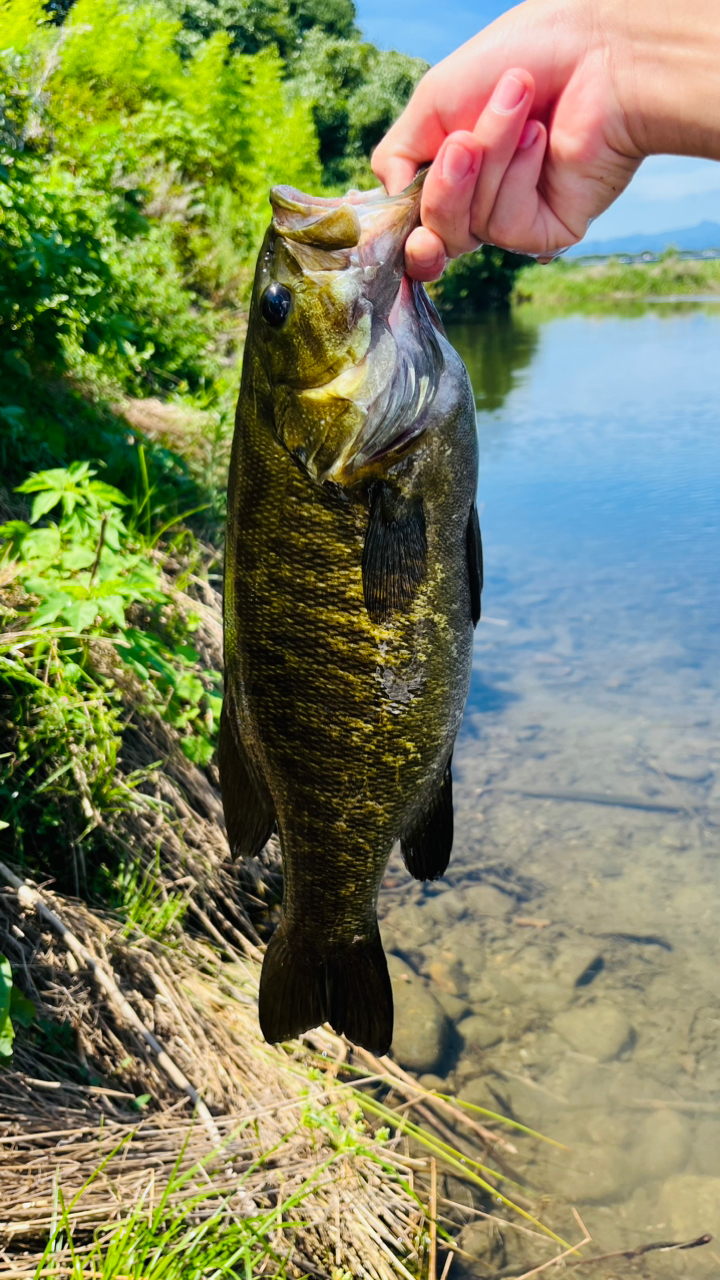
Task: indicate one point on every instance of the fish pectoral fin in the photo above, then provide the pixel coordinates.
(347, 986)
(395, 553)
(475, 563)
(249, 811)
(427, 846)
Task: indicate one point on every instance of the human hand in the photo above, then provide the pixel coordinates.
(529, 128)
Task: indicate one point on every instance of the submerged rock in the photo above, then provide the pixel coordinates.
(594, 1175)
(706, 1152)
(454, 1006)
(421, 1024)
(663, 1145)
(484, 900)
(598, 1030)
(478, 1032)
(692, 1204)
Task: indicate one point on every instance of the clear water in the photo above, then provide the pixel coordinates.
(579, 917)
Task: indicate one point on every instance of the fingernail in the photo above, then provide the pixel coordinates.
(457, 162)
(509, 94)
(529, 135)
(429, 260)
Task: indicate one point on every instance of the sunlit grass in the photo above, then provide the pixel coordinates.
(567, 284)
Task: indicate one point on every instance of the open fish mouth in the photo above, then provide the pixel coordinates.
(376, 404)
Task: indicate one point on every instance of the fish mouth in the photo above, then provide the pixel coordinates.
(388, 391)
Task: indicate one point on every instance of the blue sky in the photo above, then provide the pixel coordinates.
(668, 191)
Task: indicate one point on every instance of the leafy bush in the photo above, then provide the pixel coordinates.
(94, 627)
(482, 281)
(356, 92)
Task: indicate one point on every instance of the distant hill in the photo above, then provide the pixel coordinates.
(706, 235)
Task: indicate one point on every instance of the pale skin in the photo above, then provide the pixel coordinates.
(539, 122)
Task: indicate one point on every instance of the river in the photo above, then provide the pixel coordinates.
(574, 941)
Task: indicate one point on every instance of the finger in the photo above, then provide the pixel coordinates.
(414, 139)
(448, 192)
(521, 220)
(498, 130)
(396, 174)
(425, 255)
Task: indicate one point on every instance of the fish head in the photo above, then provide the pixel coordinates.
(349, 344)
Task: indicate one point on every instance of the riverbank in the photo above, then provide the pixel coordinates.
(565, 284)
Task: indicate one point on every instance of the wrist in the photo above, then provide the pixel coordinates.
(668, 74)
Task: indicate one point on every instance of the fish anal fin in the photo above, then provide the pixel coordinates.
(249, 811)
(427, 846)
(475, 563)
(348, 986)
(395, 553)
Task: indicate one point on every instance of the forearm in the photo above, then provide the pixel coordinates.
(668, 70)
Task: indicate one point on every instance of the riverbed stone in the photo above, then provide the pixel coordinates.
(477, 1091)
(691, 1203)
(663, 1145)
(576, 961)
(506, 988)
(479, 1032)
(549, 997)
(486, 900)
(430, 1081)
(598, 1030)
(446, 906)
(706, 1150)
(421, 1024)
(446, 973)
(594, 1175)
(454, 1006)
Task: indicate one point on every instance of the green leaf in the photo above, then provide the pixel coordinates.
(190, 689)
(197, 749)
(51, 608)
(7, 1035)
(113, 608)
(78, 558)
(142, 1100)
(22, 1010)
(4, 825)
(81, 614)
(43, 503)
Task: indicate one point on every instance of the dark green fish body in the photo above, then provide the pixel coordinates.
(351, 588)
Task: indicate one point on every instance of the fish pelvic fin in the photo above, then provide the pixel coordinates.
(248, 808)
(395, 552)
(347, 986)
(427, 846)
(475, 563)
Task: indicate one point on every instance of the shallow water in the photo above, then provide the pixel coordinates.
(579, 916)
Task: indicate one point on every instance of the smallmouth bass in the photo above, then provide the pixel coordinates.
(352, 586)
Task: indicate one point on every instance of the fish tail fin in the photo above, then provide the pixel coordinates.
(348, 986)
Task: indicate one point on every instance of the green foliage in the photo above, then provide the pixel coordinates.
(477, 282)
(356, 91)
(138, 893)
(92, 620)
(565, 283)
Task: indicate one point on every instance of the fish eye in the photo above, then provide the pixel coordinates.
(275, 304)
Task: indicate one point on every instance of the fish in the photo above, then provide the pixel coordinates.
(352, 587)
